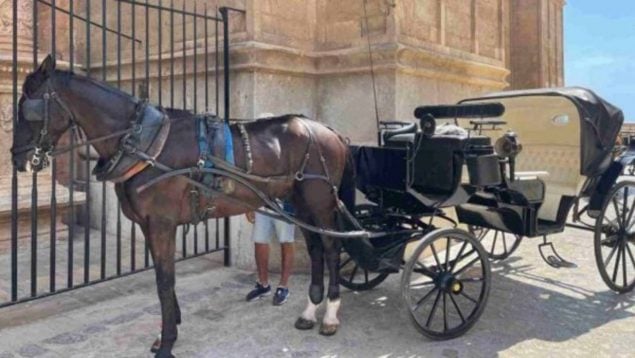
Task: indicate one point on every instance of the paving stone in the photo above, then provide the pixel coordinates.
(533, 310)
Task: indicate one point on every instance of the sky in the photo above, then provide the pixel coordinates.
(599, 49)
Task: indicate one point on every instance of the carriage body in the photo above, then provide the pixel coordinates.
(522, 162)
(568, 137)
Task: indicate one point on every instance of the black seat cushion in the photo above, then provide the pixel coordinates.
(438, 164)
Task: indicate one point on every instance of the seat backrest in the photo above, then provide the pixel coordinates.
(438, 165)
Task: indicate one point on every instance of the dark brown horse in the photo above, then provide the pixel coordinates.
(54, 100)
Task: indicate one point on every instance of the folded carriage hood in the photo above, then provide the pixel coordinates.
(600, 123)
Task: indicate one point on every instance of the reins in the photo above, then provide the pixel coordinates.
(44, 149)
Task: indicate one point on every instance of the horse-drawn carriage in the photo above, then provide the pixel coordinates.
(550, 167)
(554, 153)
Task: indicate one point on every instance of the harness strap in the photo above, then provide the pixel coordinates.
(247, 147)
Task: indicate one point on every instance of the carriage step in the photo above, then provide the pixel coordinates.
(551, 257)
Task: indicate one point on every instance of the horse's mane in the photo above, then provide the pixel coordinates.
(34, 80)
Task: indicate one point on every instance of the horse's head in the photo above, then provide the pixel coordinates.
(42, 119)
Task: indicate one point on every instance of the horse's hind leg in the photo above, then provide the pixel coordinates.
(160, 236)
(330, 323)
(316, 290)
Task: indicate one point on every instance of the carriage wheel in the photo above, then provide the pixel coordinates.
(446, 283)
(499, 245)
(615, 238)
(356, 278)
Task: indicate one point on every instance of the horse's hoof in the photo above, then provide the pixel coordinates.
(328, 329)
(164, 353)
(304, 324)
(156, 345)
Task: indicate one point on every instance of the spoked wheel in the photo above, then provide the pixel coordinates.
(446, 283)
(615, 238)
(356, 278)
(499, 245)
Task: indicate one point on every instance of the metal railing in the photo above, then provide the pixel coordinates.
(87, 268)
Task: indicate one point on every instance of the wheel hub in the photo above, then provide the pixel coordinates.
(448, 283)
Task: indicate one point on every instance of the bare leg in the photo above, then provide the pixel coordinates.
(287, 250)
(262, 263)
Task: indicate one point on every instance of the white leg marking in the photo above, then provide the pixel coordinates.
(309, 311)
(330, 317)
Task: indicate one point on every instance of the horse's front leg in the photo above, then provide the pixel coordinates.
(330, 323)
(160, 235)
(316, 291)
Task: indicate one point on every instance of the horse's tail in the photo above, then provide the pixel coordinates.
(346, 193)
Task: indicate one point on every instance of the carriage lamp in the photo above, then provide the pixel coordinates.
(428, 125)
(508, 146)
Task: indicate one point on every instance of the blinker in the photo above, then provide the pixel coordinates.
(33, 110)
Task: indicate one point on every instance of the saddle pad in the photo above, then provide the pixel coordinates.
(214, 139)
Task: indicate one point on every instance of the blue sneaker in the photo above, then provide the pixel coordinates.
(258, 292)
(281, 296)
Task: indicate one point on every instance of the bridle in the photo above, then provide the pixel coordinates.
(39, 110)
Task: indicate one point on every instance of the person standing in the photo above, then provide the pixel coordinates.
(263, 230)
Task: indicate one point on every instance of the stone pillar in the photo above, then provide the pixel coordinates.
(536, 44)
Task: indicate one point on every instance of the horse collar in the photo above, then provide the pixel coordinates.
(145, 138)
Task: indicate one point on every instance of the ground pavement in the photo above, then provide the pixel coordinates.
(533, 310)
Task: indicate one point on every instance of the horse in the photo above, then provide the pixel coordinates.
(289, 149)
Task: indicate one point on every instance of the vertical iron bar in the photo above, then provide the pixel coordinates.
(118, 244)
(146, 251)
(104, 55)
(87, 167)
(171, 53)
(71, 184)
(217, 234)
(53, 213)
(35, 30)
(133, 247)
(195, 61)
(133, 229)
(217, 104)
(147, 61)
(184, 74)
(206, 21)
(194, 75)
(217, 71)
(134, 54)
(183, 243)
(207, 235)
(184, 59)
(34, 177)
(34, 235)
(14, 175)
(159, 69)
(224, 13)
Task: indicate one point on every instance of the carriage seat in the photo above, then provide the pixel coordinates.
(400, 140)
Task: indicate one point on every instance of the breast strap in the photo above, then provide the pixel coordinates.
(149, 134)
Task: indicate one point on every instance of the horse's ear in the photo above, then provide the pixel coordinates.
(48, 66)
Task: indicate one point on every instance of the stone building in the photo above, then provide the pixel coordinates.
(312, 57)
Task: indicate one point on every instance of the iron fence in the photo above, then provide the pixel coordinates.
(145, 60)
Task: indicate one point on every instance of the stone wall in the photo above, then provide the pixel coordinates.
(536, 44)
(311, 57)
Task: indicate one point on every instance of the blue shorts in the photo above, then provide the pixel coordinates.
(265, 227)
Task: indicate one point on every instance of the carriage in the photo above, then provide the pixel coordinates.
(551, 166)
